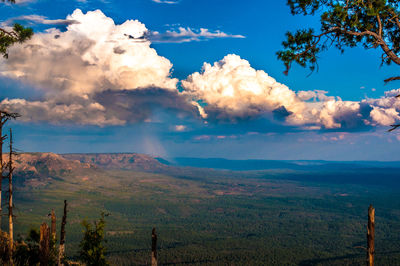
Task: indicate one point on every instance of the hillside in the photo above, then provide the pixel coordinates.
(37, 168)
(205, 216)
(39, 162)
(126, 161)
(40, 169)
(41, 166)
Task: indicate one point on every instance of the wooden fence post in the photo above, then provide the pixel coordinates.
(371, 236)
(44, 248)
(154, 248)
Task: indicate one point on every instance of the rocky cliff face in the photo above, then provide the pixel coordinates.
(38, 169)
(44, 164)
(50, 162)
(129, 161)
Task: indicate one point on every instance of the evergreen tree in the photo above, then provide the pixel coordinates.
(17, 33)
(373, 24)
(92, 249)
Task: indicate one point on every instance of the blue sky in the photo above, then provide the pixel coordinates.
(169, 128)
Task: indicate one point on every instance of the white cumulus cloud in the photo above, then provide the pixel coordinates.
(231, 89)
(93, 56)
(235, 89)
(383, 116)
(96, 72)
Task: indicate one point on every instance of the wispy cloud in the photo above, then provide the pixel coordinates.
(24, 1)
(182, 35)
(37, 19)
(170, 2)
(180, 128)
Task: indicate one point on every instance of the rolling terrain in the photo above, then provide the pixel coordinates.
(275, 213)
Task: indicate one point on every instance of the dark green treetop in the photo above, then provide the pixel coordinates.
(373, 24)
(17, 34)
(92, 249)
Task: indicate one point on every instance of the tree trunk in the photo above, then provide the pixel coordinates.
(53, 233)
(10, 200)
(44, 249)
(4, 117)
(53, 226)
(153, 248)
(371, 236)
(61, 254)
(1, 168)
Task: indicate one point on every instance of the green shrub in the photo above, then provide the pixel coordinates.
(27, 251)
(92, 250)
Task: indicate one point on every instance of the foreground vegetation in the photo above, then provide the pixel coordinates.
(278, 217)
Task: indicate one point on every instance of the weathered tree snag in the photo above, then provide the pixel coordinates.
(153, 248)
(53, 233)
(3, 120)
(4, 117)
(61, 254)
(2, 138)
(371, 236)
(10, 200)
(44, 245)
(53, 226)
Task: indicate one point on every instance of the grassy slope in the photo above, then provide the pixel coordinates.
(219, 217)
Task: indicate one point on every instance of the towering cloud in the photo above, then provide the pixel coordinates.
(91, 57)
(231, 89)
(100, 73)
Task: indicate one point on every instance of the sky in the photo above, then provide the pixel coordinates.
(190, 78)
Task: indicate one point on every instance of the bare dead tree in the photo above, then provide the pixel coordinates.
(53, 224)
(61, 254)
(154, 248)
(53, 231)
(2, 138)
(371, 236)
(4, 117)
(10, 199)
(44, 245)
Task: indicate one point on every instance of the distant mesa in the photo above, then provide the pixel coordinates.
(48, 162)
(53, 164)
(40, 169)
(126, 161)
